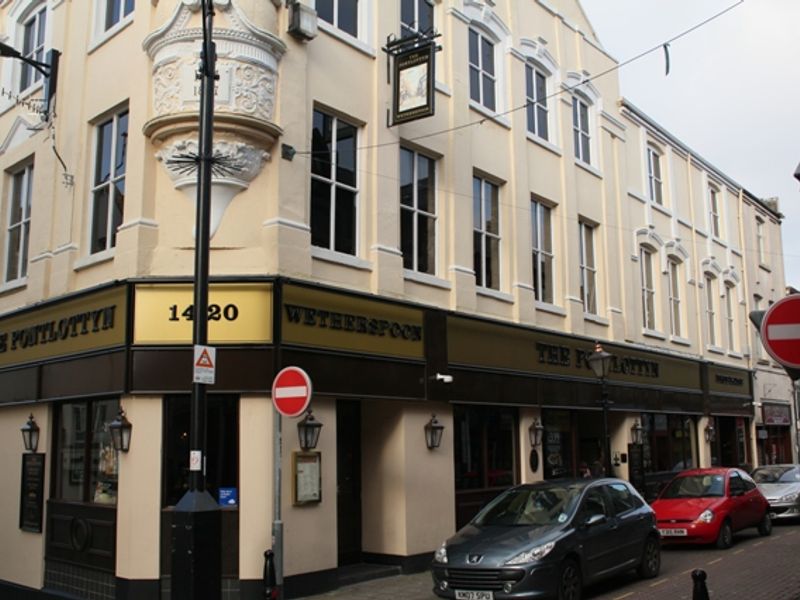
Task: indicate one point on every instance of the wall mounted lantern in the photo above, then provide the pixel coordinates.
(710, 432)
(535, 433)
(30, 435)
(120, 429)
(433, 433)
(637, 433)
(308, 431)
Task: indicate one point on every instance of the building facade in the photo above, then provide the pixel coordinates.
(463, 265)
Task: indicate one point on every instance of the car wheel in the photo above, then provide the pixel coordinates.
(651, 559)
(725, 537)
(569, 581)
(765, 526)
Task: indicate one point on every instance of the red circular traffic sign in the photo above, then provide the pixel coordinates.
(780, 331)
(291, 391)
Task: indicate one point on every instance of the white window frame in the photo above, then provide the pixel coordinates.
(655, 181)
(103, 30)
(482, 232)
(481, 70)
(582, 129)
(536, 102)
(407, 29)
(647, 288)
(37, 21)
(114, 178)
(730, 318)
(711, 317)
(760, 242)
(417, 213)
(20, 194)
(674, 296)
(714, 215)
(758, 349)
(542, 256)
(588, 266)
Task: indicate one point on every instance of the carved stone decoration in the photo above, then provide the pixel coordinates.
(244, 99)
(235, 166)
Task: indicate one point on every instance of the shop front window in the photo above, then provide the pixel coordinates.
(87, 462)
(222, 446)
(484, 451)
(558, 461)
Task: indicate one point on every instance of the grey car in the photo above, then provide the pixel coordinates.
(780, 485)
(548, 539)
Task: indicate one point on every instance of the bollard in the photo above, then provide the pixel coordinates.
(271, 589)
(700, 591)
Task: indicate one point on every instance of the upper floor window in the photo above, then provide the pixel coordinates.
(486, 233)
(713, 211)
(588, 268)
(542, 250)
(482, 79)
(536, 96)
(730, 318)
(648, 288)
(758, 352)
(760, 245)
(19, 223)
(115, 11)
(580, 130)
(342, 14)
(418, 211)
(674, 298)
(334, 184)
(654, 182)
(416, 16)
(33, 30)
(108, 188)
(711, 317)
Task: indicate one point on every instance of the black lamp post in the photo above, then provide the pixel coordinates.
(120, 429)
(30, 435)
(600, 362)
(308, 430)
(433, 433)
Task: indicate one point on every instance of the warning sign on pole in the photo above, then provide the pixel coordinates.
(205, 360)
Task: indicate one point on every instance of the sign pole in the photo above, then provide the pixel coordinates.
(277, 524)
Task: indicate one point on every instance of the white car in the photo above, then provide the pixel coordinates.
(780, 485)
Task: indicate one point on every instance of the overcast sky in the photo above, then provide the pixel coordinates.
(733, 91)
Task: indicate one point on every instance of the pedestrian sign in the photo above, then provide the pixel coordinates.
(205, 359)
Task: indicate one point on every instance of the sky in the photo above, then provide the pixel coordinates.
(733, 91)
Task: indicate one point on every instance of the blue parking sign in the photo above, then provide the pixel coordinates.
(228, 496)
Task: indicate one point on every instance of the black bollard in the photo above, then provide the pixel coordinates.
(700, 591)
(271, 589)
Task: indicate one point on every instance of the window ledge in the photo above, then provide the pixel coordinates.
(546, 144)
(496, 294)
(12, 286)
(595, 319)
(550, 308)
(103, 37)
(348, 260)
(719, 240)
(489, 114)
(637, 196)
(588, 168)
(715, 349)
(652, 333)
(348, 39)
(765, 267)
(661, 208)
(682, 341)
(735, 354)
(426, 279)
(94, 259)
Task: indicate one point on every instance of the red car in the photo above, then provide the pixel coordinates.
(706, 506)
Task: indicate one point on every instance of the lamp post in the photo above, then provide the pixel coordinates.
(600, 363)
(197, 527)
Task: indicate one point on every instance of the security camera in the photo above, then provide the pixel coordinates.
(444, 378)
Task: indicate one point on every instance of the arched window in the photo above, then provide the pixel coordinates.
(730, 317)
(711, 308)
(585, 104)
(674, 297)
(648, 288)
(488, 39)
(541, 72)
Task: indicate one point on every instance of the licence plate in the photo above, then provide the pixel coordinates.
(474, 595)
(673, 532)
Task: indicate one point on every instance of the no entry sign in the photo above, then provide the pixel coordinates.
(291, 391)
(780, 331)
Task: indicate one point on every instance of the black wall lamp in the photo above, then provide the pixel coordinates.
(433, 433)
(308, 430)
(637, 433)
(48, 69)
(120, 429)
(710, 432)
(30, 435)
(535, 433)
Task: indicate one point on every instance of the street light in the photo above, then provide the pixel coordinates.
(637, 433)
(600, 362)
(30, 435)
(710, 432)
(433, 433)
(48, 69)
(535, 433)
(308, 430)
(120, 429)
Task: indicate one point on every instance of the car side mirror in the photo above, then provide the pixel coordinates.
(594, 520)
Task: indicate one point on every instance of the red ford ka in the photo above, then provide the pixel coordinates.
(706, 506)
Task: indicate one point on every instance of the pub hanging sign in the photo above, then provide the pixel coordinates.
(413, 78)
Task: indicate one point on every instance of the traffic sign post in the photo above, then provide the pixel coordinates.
(780, 333)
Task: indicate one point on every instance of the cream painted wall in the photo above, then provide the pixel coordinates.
(22, 552)
(139, 504)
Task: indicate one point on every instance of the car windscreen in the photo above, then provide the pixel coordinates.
(776, 475)
(545, 505)
(695, 486)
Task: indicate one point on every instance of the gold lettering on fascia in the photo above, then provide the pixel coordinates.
(85, 323)
(564, 356)
(728, 380)
(328, 319)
